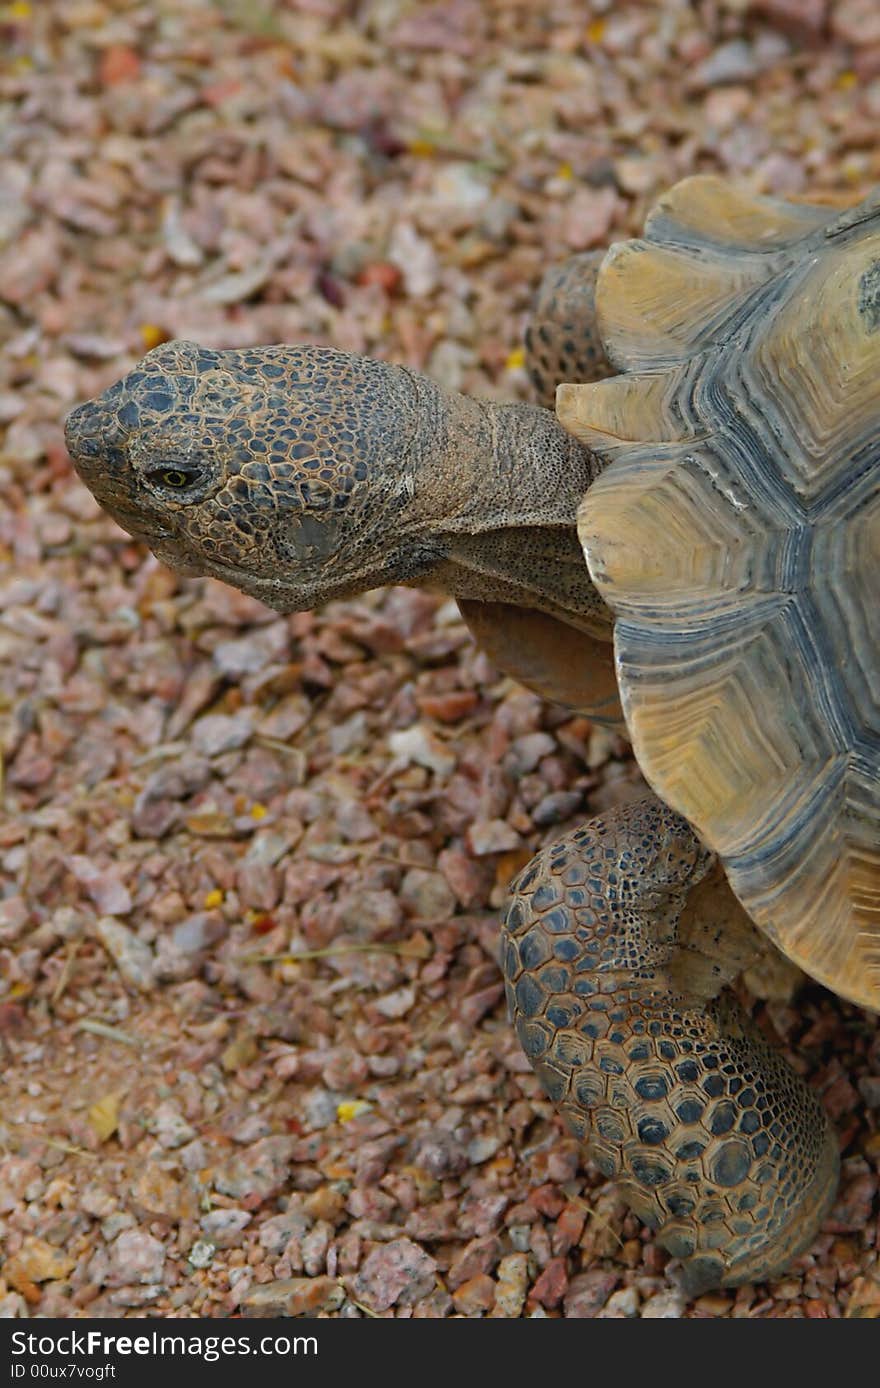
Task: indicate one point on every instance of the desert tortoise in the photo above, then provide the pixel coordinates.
(725, 489)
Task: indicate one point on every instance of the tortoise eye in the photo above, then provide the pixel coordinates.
(176, 477)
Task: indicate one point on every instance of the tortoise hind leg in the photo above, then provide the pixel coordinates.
(562, 341)
(619, 941)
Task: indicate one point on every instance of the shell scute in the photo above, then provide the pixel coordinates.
(736, 536)
(706, 208)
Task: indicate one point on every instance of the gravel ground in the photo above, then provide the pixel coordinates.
(255, 1058)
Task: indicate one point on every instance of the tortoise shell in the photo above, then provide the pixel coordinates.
(736, 537)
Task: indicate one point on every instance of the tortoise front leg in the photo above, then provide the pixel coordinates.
(558, 660)
(618, 944)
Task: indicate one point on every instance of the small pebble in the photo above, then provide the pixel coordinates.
(399, 1272)
(223, 1228)
(492, 836)
(293, 1296)
(218, 733)
(668, 1305)
(133, 958)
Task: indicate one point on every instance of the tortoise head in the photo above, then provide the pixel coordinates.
(284, 471)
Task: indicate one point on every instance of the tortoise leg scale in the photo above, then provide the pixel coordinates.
(562, 341)
(618, 945)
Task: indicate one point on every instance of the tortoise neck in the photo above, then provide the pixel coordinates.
(500, 485)
(543, 470)
(485, 466)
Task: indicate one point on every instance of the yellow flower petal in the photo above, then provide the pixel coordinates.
(351, 1108)
(104, 1115)
(152, 335)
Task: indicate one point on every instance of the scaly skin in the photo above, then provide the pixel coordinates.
(562, 339)
(618, 942)
(301, 474)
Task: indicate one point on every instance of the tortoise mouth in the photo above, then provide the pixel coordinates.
(144, 530)
(299, 595)
(168, 553)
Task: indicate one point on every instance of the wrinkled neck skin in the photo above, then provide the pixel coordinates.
(496, 489)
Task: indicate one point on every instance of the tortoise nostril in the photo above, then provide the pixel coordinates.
(85, 435)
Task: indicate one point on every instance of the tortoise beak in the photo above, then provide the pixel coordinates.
(83, 434)
(96, 446)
